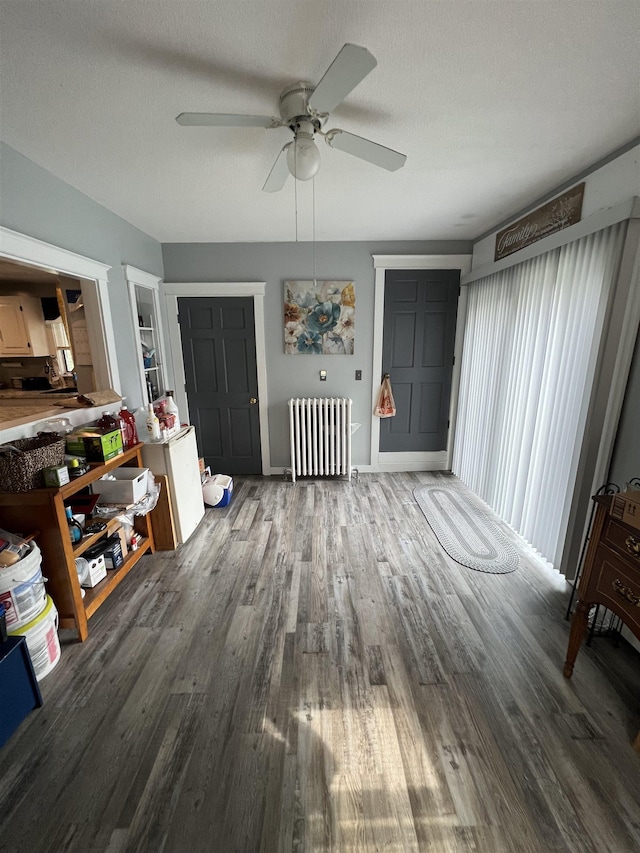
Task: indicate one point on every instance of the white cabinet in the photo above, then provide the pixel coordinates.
(22, 327)
(145, 307)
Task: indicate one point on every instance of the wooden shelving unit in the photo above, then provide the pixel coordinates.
(44, 509)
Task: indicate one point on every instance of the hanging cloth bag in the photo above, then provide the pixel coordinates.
(385, 404)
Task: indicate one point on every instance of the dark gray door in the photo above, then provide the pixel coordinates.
(219, 352)
(420, 308)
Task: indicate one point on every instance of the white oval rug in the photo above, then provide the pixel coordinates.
(465, 531)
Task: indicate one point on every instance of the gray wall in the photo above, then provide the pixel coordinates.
(36, 203)
(625, 463)
(298, 375)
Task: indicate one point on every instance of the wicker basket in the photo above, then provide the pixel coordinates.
(22, 471)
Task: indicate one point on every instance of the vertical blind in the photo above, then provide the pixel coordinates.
(530, 348)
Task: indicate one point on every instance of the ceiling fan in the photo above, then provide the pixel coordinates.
(304, 109)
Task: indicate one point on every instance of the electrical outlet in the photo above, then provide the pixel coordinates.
(323, 376)
(358, 374)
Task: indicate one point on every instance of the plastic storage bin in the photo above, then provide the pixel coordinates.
(128, 487)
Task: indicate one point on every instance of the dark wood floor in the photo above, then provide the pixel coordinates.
(311, 672)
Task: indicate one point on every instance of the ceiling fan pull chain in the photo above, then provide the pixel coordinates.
(313, 203)
(295, 195)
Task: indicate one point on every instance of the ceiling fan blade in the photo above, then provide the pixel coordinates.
(365, 149)
(225, 120)
(279, 172)
(350, 67)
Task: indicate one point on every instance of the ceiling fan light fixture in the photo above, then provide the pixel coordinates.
(303, 157)
(304, 109)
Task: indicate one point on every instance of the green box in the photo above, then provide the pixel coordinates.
(96, 446)
(75, 445)
(56, 475)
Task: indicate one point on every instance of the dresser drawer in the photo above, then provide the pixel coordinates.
(616, 584)
(621, 537)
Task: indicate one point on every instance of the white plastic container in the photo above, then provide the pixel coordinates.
(42, 640)
(91, 572)
(22, 589)
(123, 486)
(217, 490)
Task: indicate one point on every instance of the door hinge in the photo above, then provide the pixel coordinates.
(185, 386)
(454, 359)
(448, 424)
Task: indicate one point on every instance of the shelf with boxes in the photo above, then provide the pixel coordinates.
(19, 512)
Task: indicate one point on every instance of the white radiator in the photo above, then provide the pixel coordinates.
(320, 430)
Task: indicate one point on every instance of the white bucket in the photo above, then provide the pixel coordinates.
(22, 589)
(42, 640)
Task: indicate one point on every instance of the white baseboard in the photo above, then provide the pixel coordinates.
(413, 461)
(279, 472)
(393, 467)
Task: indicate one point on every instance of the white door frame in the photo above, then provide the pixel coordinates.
(413, 461)
(174, 290)
(19, 247)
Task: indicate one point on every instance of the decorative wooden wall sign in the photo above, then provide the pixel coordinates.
(551, 217)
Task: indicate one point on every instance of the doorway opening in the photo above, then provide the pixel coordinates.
(26, 257)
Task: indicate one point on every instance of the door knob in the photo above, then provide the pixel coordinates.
(253, 401)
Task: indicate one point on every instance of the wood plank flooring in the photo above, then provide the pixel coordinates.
(311, 672)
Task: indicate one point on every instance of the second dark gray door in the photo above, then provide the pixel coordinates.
(420, 308)
(219, 352)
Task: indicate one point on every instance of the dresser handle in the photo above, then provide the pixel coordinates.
(626, 593)
(633, 546)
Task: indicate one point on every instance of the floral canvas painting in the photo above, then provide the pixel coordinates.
(319, 317)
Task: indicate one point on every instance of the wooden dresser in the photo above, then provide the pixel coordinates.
(611, 577)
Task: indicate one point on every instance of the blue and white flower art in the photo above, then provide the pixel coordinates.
(319, 317)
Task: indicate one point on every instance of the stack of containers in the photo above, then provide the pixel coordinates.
(29, 611)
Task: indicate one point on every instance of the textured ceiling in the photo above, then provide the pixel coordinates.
(495, 103)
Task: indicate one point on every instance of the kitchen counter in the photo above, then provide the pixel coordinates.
(22, 412)
(15, 394)
(29, 411)
(18, 408)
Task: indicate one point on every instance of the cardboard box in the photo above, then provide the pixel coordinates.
(128, 487)
(122, 536)
(625, 507)
(95, 445)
